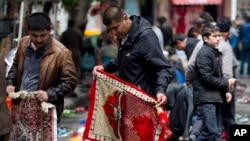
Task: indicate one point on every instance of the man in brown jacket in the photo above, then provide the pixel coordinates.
(42, 65)
(5, 123)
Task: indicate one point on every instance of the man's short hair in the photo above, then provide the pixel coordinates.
(112, 14)
(224, 27)
(39, 21)
(177, 37)
(191, 32)
(209, 29)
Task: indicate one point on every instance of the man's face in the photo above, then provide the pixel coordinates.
(213, 39)
(180, 45)
(39, 37)
(225, 35)
(118, 29)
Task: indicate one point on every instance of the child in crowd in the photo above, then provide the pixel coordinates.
(209, 86)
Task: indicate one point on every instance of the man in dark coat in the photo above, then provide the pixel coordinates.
(140, 60)
(181, 42)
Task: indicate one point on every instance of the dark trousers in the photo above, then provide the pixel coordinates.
(228, 115)
(245, 57)
(210, 114)
(5, 137)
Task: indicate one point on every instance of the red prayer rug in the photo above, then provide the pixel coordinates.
(120, 111)
(31, 119)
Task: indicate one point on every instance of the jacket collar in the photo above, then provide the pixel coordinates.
(138, 25)
(50, 47)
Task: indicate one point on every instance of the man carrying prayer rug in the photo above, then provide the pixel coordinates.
(42, 71)
(140, 60)
(121, 111)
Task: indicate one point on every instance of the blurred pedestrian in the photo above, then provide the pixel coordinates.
(180, 105)
(43, 66)
(140, 60)
(181, 42)
(244, 39)
(72, 38)
(166, 29)
(234, 36)
(159, 35)
(209, 85)
(228, 112)
(57, 30)
(5, 122)
(108, 50)
(193, 32)
(198, 25)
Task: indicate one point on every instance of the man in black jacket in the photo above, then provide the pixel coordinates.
(209, 85)
(166, 29)
(140, 60)
(180, 105)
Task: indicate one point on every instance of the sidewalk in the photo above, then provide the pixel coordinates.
(73, 123)
(244, 108)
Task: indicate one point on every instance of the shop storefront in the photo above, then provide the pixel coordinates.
(183, 12)
(243, 7)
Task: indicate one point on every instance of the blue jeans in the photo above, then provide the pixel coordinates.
(210, 114)
(245, 57)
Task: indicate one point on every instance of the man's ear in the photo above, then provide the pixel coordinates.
(178, 42)
(205, 38)
(125, 17)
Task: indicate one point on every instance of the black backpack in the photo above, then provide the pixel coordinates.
(181, 109)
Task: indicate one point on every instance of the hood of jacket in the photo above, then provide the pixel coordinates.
(138, 25)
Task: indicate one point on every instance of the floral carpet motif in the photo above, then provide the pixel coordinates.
(119, 111)
(31, 123)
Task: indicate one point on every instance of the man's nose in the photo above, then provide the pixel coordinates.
(39, 39)
(112, 32)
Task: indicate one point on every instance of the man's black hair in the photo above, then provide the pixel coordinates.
(112, 14)
(38, 21)
(177, 37)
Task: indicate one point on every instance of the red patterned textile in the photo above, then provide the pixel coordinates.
(30, 123)
(120, 111)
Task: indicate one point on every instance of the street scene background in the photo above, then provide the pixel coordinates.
(180, 15)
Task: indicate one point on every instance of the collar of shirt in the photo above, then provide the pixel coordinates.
(42, 49)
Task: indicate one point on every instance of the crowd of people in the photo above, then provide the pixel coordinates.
(139, 52)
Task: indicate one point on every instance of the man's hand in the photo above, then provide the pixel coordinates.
(10, 89)
(41, 95)
(229, 97)
(231, 82)
(161, 99)
(99, 67)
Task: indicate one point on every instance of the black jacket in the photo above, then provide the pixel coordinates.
(190, 45)
(209, 82)
(140, 60)
(180, 103)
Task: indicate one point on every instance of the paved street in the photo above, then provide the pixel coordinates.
(73, 123)
(244, 108)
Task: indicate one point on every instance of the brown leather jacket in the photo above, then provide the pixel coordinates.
(57, 73)
(5, 123)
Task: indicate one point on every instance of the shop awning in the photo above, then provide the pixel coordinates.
(196, 2)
